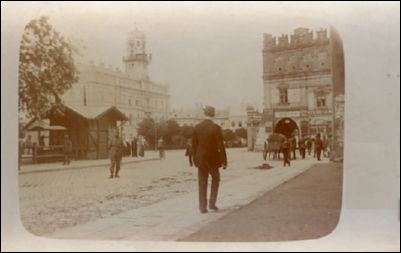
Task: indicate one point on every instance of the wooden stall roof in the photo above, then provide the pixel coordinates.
(98, 112)
(40, 125)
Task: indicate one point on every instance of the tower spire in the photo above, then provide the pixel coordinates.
(136, 59)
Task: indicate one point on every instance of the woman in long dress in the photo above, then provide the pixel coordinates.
(141, 151)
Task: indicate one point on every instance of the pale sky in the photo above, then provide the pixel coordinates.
(210, 53)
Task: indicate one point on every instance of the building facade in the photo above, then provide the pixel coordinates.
(233, 117)
(191, 117)
(131, 91)
(298, 82)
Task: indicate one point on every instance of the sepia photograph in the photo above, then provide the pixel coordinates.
(202, 124)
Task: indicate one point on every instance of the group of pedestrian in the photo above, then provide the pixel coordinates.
(318, 145)
(134, 147)
(207, 152)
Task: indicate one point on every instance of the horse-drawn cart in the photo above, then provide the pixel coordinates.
(273, 146)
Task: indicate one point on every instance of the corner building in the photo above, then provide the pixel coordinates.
(298, 82)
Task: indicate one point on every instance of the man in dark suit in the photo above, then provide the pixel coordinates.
(134, 147)
(116, 146)
(209, 155)
(67, 149)
(318, 147)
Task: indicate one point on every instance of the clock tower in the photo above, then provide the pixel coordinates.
(136, 59)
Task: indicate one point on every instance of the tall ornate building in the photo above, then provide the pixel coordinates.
(132, 91)
(299, 73)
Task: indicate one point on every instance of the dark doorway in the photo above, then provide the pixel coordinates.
(286, 126)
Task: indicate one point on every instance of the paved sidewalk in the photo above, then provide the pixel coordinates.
(82, 164)
(178, 217)
(306, 207)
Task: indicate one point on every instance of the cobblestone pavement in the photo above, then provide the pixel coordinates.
(53, 200)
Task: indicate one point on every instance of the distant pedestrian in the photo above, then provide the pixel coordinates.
(127, 148)
(302, 147)
(67, 150)
(134, 147)
(293, 145)
(116, 152)
(141, 147)
(42, 140)
(160, 147)
(189, 153)
(314, 147)
(20, 151)
(325, 144)
(318, 146)
(286, 151)
(209, 156)
(41, 146)
(28, 145)
(309, 145)
(265, 149)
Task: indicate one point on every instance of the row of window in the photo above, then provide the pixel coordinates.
(320, 99)
(295, 68)
(233, 124)
(138, 43)
(299, 62)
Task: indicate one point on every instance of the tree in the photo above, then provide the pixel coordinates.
(168, 129)
(46, 68)
(241, 132)
(147, 130)
(153, 131)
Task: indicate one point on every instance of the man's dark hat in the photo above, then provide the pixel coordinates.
(209, 111)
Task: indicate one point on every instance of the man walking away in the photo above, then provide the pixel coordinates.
(209, 155)
(115, 153)
(318, 146)
(67, 150)
(286, 151)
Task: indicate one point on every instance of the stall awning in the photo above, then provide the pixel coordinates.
(99, 112)
(40, 125)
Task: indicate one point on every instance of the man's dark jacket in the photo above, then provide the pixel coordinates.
(208, 146)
